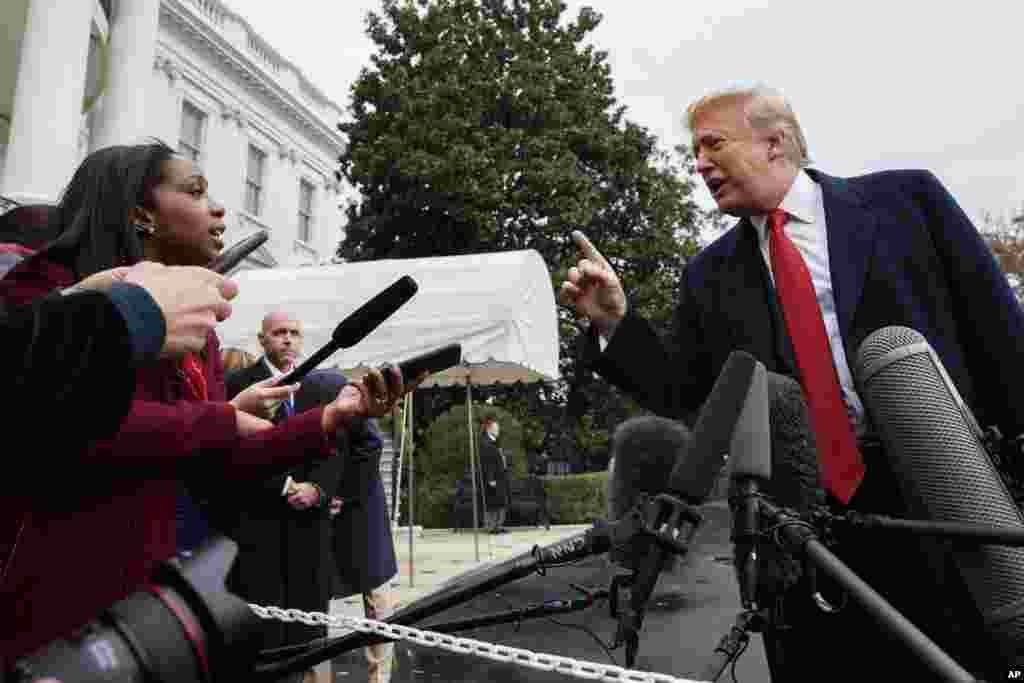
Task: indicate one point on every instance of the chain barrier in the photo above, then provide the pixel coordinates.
(467, 646)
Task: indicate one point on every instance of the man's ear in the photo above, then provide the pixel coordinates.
(776, 144)
(143, 220)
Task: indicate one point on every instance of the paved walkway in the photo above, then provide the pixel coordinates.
(440, 555)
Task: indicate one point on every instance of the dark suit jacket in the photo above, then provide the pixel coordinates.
(902, 252)
(284, 554)
(60, 349)
(238, 380)
(364, 551)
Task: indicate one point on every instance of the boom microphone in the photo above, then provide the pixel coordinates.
(354, 328)
(643, 450)
(691, 480)
(934, 447)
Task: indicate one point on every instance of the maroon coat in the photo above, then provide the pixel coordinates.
(81, 530)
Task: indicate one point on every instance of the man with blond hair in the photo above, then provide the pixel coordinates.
(814, 265)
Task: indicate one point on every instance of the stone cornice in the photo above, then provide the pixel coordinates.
(225, 103)
(250, 72)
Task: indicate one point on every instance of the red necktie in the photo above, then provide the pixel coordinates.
(841, 462)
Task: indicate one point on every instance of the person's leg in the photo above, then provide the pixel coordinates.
(379, 604)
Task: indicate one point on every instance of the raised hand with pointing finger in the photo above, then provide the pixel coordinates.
(592, 288)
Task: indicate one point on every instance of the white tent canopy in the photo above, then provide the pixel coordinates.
(499, 306)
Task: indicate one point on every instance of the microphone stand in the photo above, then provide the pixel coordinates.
(798, 536)
(963, 531)
(664, 519)
(733, 643)
(746, 531)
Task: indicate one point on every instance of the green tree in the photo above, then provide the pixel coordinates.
(489, 125)
(1006, 239)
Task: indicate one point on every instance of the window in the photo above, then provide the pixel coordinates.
(190, 143)
(305, 211)
(254, 180)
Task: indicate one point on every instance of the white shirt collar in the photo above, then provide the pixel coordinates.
(273, 368)
(799, 203)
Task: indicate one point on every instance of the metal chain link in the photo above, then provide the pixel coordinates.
(468, 646)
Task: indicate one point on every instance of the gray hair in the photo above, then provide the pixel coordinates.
(765, 108)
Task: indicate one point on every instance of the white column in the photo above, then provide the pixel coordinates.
(282, 205)
(225, 165)
(48, 93)
(122, 117)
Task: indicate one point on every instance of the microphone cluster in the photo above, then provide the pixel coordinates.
(758, 421)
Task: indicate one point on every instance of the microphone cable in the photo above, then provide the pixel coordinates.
(580, 627)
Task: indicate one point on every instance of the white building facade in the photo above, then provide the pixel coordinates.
(86, 74)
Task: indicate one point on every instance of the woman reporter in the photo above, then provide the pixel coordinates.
(71, 545)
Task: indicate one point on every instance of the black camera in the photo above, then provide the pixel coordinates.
(184, 626)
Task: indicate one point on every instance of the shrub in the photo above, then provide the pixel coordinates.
(578, 498)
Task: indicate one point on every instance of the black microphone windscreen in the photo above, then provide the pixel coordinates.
(933, 446)
(364, 320)
(795, 482)
(694, 474)
(644, 451)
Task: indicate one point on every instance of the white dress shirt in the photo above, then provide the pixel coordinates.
(806, 228)
(275, 373)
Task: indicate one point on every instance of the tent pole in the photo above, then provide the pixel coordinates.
(472, 465)
(396, 469)
(412, 488)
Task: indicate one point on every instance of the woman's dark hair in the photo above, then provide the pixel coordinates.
(93, 213)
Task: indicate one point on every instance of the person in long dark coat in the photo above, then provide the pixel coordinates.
(494, 475)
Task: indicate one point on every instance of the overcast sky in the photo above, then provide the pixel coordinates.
(875, 84)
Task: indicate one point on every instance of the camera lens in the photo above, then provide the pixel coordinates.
(184, 627)
(148, 636)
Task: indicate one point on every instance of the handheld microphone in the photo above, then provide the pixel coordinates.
(236, 253)
(691, 480)
(357, 325)
(934, 447)
(751, 463)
